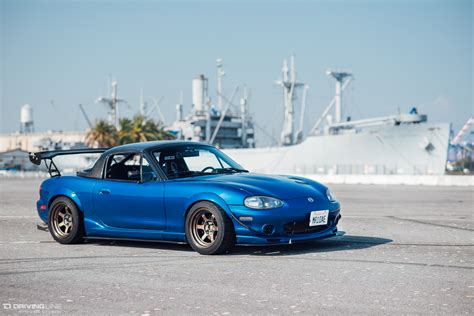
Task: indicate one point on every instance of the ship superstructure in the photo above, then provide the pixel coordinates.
(224, 124)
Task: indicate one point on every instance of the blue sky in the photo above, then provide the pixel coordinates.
(57, 54)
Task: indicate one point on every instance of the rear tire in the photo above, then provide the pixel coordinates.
(209, 230)
(65, 222)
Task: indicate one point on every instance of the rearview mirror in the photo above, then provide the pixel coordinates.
(187, 153)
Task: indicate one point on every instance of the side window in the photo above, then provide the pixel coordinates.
(115, 168)
(116, 159)
(147, 172)
(127, 167)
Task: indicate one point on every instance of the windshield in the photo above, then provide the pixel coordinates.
(194, 160)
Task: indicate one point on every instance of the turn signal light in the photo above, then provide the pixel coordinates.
(246, 218)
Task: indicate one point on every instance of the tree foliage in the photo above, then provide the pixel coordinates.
(138, 129)
(102, 134)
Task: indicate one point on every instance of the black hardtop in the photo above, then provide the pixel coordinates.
(96, 170)
(153, 145)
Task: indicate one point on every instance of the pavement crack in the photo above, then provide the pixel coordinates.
(335, 242)
(431, 224)
(382, 262)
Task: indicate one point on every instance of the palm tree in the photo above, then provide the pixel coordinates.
(141, 130)
(158, 131)
(124, 133)
(102, 134)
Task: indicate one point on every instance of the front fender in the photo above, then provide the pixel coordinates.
(210, 197)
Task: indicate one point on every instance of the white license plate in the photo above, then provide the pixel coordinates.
(318, 218)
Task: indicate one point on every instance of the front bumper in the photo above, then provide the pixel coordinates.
(285, 225)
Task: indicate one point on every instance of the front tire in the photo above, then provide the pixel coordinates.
(65, 222)
(209, 230)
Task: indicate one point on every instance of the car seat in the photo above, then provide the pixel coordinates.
(118, 171)
(172, 167)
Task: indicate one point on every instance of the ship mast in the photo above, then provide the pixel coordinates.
(341, 84)
(220, 75)
(340, 77)
(243, 115)
(289, 85)
(113, 105)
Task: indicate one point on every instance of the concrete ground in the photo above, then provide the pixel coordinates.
(407, 250)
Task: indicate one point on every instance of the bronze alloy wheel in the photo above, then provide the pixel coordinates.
(63, 221)
(204, 228)
(209, 230)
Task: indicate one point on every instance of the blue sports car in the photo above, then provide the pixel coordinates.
(181, 192)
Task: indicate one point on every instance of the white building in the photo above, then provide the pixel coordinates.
(42, 141)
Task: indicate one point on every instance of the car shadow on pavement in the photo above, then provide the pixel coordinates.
(339, 243)
(141, 244)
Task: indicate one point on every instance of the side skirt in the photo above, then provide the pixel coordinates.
(137, 239)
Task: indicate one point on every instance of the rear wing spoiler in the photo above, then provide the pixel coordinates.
(48, 156)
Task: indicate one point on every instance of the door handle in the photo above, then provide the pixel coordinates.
(104, 191)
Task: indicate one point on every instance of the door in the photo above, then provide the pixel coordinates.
(123, 199)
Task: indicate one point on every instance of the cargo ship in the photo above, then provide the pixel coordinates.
(400, 144)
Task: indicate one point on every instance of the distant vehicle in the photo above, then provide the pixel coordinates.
(177, 191)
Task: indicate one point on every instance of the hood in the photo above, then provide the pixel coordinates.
(283, 187)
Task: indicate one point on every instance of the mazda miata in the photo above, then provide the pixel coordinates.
(181, 192)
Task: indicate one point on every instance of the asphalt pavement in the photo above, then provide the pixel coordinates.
(407, 250)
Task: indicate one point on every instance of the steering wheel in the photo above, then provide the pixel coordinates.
(208, 168)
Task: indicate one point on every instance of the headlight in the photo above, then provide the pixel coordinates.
(262, 202)
(330, 196)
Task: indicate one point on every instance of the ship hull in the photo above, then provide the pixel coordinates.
(413, 149)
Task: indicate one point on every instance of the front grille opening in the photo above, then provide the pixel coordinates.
(302, 227)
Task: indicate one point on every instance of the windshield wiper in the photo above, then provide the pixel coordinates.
(185, 174)
(230, 169)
